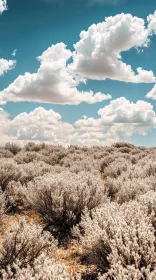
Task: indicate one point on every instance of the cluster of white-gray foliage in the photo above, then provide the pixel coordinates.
(101, 198)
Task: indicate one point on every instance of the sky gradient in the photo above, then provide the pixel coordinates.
(78, 72)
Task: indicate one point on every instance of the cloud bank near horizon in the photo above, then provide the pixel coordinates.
(110, 126)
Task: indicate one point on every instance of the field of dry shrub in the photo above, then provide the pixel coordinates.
(77, 212)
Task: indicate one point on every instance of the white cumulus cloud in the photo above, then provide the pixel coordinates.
(118, 120)
(3, 6)
(53, 82)
(121, 118)
(6, 65)
(98, 54)
(40, 125)
(152, 94)
(152, 23)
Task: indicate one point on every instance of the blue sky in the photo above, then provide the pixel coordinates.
(33, 26)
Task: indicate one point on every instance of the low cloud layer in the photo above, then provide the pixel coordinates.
(120, 119)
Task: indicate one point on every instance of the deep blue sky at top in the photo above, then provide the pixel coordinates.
(31, 26)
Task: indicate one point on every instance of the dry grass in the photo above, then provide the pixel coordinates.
(72, 258)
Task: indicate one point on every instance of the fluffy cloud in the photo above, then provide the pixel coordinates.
(118, 120)
(4, 126)
(152, 93)
(98, 53)
(152, 23)
(53, 82)
(121, 118)
(97, 56)
(3, 6)
(3, 119)
(122, 110)
(6, 65)
(41, 125)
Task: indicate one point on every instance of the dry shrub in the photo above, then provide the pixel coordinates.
(5, 153)
(24, 242)
(33, 147)
(61, 199)
(115, 218)
(9, 171)
(13, 148)
(2, 206)
(44, 268)
(123, 145)
(26, 157)
(117, 234)
(122, 190)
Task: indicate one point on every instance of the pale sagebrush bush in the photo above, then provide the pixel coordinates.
(61, 198)
(15, 196)
(122, 190)
(106, 161)
(141, 155)
(48, 153)
(124, 150)
(34, 169)
(82, 166)
(118, 234)
(25, 242)
(54, 158)
(122, 145)
(27, 157)
(72, 158)
(2, 206)
(13, 148)
(53, 154)
(86, 164)
(111, 150)
(149, 200)
(15, 190)
(125, 181)
(115, 168)
(53, 148)
(135, 151)
(130, 272)
(8, 171)
(37, 168)
(100, 155)
(112, 158)
(142, 169)
(5, 153)
(44, 268)
(33, 147)
(134, 160)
